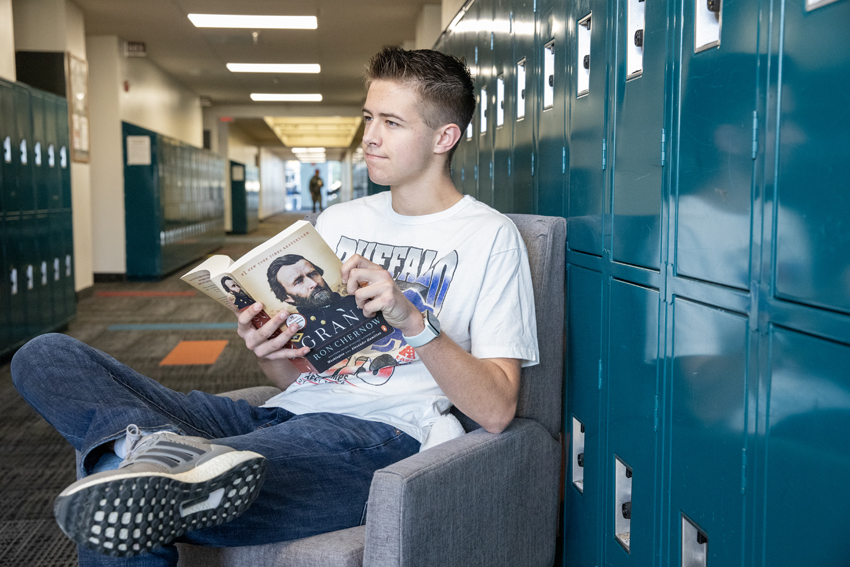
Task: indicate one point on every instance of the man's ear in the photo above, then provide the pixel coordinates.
(448, 137)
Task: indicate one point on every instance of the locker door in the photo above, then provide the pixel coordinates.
(41, 181)
(485, 90)
(525, 75)
(588, 130)
(639, 119)
(812, 241)
(6, 130)
(469, 25)
(633, 448)
(585, 479)
(504, 108)
(716, 104)
(708, 348)
(53, 178)
(550, 107)
(66, 254)
(26, 256)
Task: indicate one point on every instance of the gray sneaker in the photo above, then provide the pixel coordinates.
(167, 485)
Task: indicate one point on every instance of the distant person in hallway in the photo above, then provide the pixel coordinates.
(316, 185)
(449, 273)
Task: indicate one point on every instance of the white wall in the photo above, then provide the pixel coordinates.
(7, 42)
(158, 102)
(239, 148)
(107, 175)
(272, 184)
(428, 26)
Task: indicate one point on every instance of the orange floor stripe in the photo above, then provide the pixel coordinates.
(144, 293)
(194, 352)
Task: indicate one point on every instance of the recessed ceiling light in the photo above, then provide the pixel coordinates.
(308, 150)
(274, 67)
(254, 22)
(275, 97)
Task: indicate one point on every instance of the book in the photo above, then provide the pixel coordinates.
(297, 272)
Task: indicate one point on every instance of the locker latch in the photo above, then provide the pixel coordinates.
(639, 38)
(713, 5)
(586, 62)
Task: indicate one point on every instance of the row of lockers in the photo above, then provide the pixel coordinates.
(37, 292)
(174, 202)
(693, 146)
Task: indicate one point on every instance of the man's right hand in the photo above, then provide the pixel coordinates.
(257, 340)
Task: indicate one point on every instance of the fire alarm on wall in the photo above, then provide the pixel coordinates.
(126, 86)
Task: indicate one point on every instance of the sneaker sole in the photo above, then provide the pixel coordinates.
(127, 515)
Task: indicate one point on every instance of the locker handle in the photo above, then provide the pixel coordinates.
(551, 80)
(586, 23)
(13, 276)
(7, 149)
(713, 5)
(586, 62)
(639, 38)
(702, 538)
(627, 510)
(580, 459)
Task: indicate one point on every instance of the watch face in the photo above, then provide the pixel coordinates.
(431, 319)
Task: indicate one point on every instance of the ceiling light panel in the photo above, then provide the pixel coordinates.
(274, 68)
(279, 97)
(254, 22)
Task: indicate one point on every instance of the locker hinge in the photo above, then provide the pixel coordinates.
(509, 167)
(600, 373)
(532, 164)
(663, 146)
(476, 55)
(534, 6)
(563, 159)
(604, 153)
(744, 470)
(755, 133)
(462, 174)
(476, 173)
(491, 170)
(655, 426)
(492, 39)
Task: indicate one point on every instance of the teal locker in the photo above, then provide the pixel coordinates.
(39, 107)
(588, 124)
(585, 481)
(707, 432)
(485, 89)
(66, 254)
(633, 433)
(550, 107)
(523, 167)
(469, 25)
(56, 241)
(807, 435)
(716, 105)
(503, 109)
(26, 256)
(812, 241)
(641, 132)
(6, 182)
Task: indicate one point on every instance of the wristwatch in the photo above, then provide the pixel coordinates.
(431, 332)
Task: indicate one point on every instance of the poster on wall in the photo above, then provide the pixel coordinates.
(78, 108)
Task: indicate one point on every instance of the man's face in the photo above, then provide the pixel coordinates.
(398, 145)
(304, 285)
(232, 286)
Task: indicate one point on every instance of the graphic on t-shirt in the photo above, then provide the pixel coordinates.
(424, 280)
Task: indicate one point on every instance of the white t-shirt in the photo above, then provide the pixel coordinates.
(467, 264)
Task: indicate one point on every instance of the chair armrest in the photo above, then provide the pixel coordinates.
(255, 396)
(479, 499)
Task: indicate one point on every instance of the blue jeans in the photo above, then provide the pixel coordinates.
(320, 464)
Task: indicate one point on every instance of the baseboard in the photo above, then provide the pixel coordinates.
(110, 278)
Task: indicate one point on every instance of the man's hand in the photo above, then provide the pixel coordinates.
(272, 357)
(375, 290)
(257, 340)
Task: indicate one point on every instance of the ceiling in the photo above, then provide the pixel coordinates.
(349, 32)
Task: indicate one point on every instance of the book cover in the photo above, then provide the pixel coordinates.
(296, 272)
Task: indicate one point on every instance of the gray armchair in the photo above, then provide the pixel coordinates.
(479, 499)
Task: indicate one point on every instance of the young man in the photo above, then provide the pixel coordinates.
(449, 273)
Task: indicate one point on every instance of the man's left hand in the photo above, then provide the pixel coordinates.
(375, 290)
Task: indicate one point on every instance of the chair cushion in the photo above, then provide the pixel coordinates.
(343, 548)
